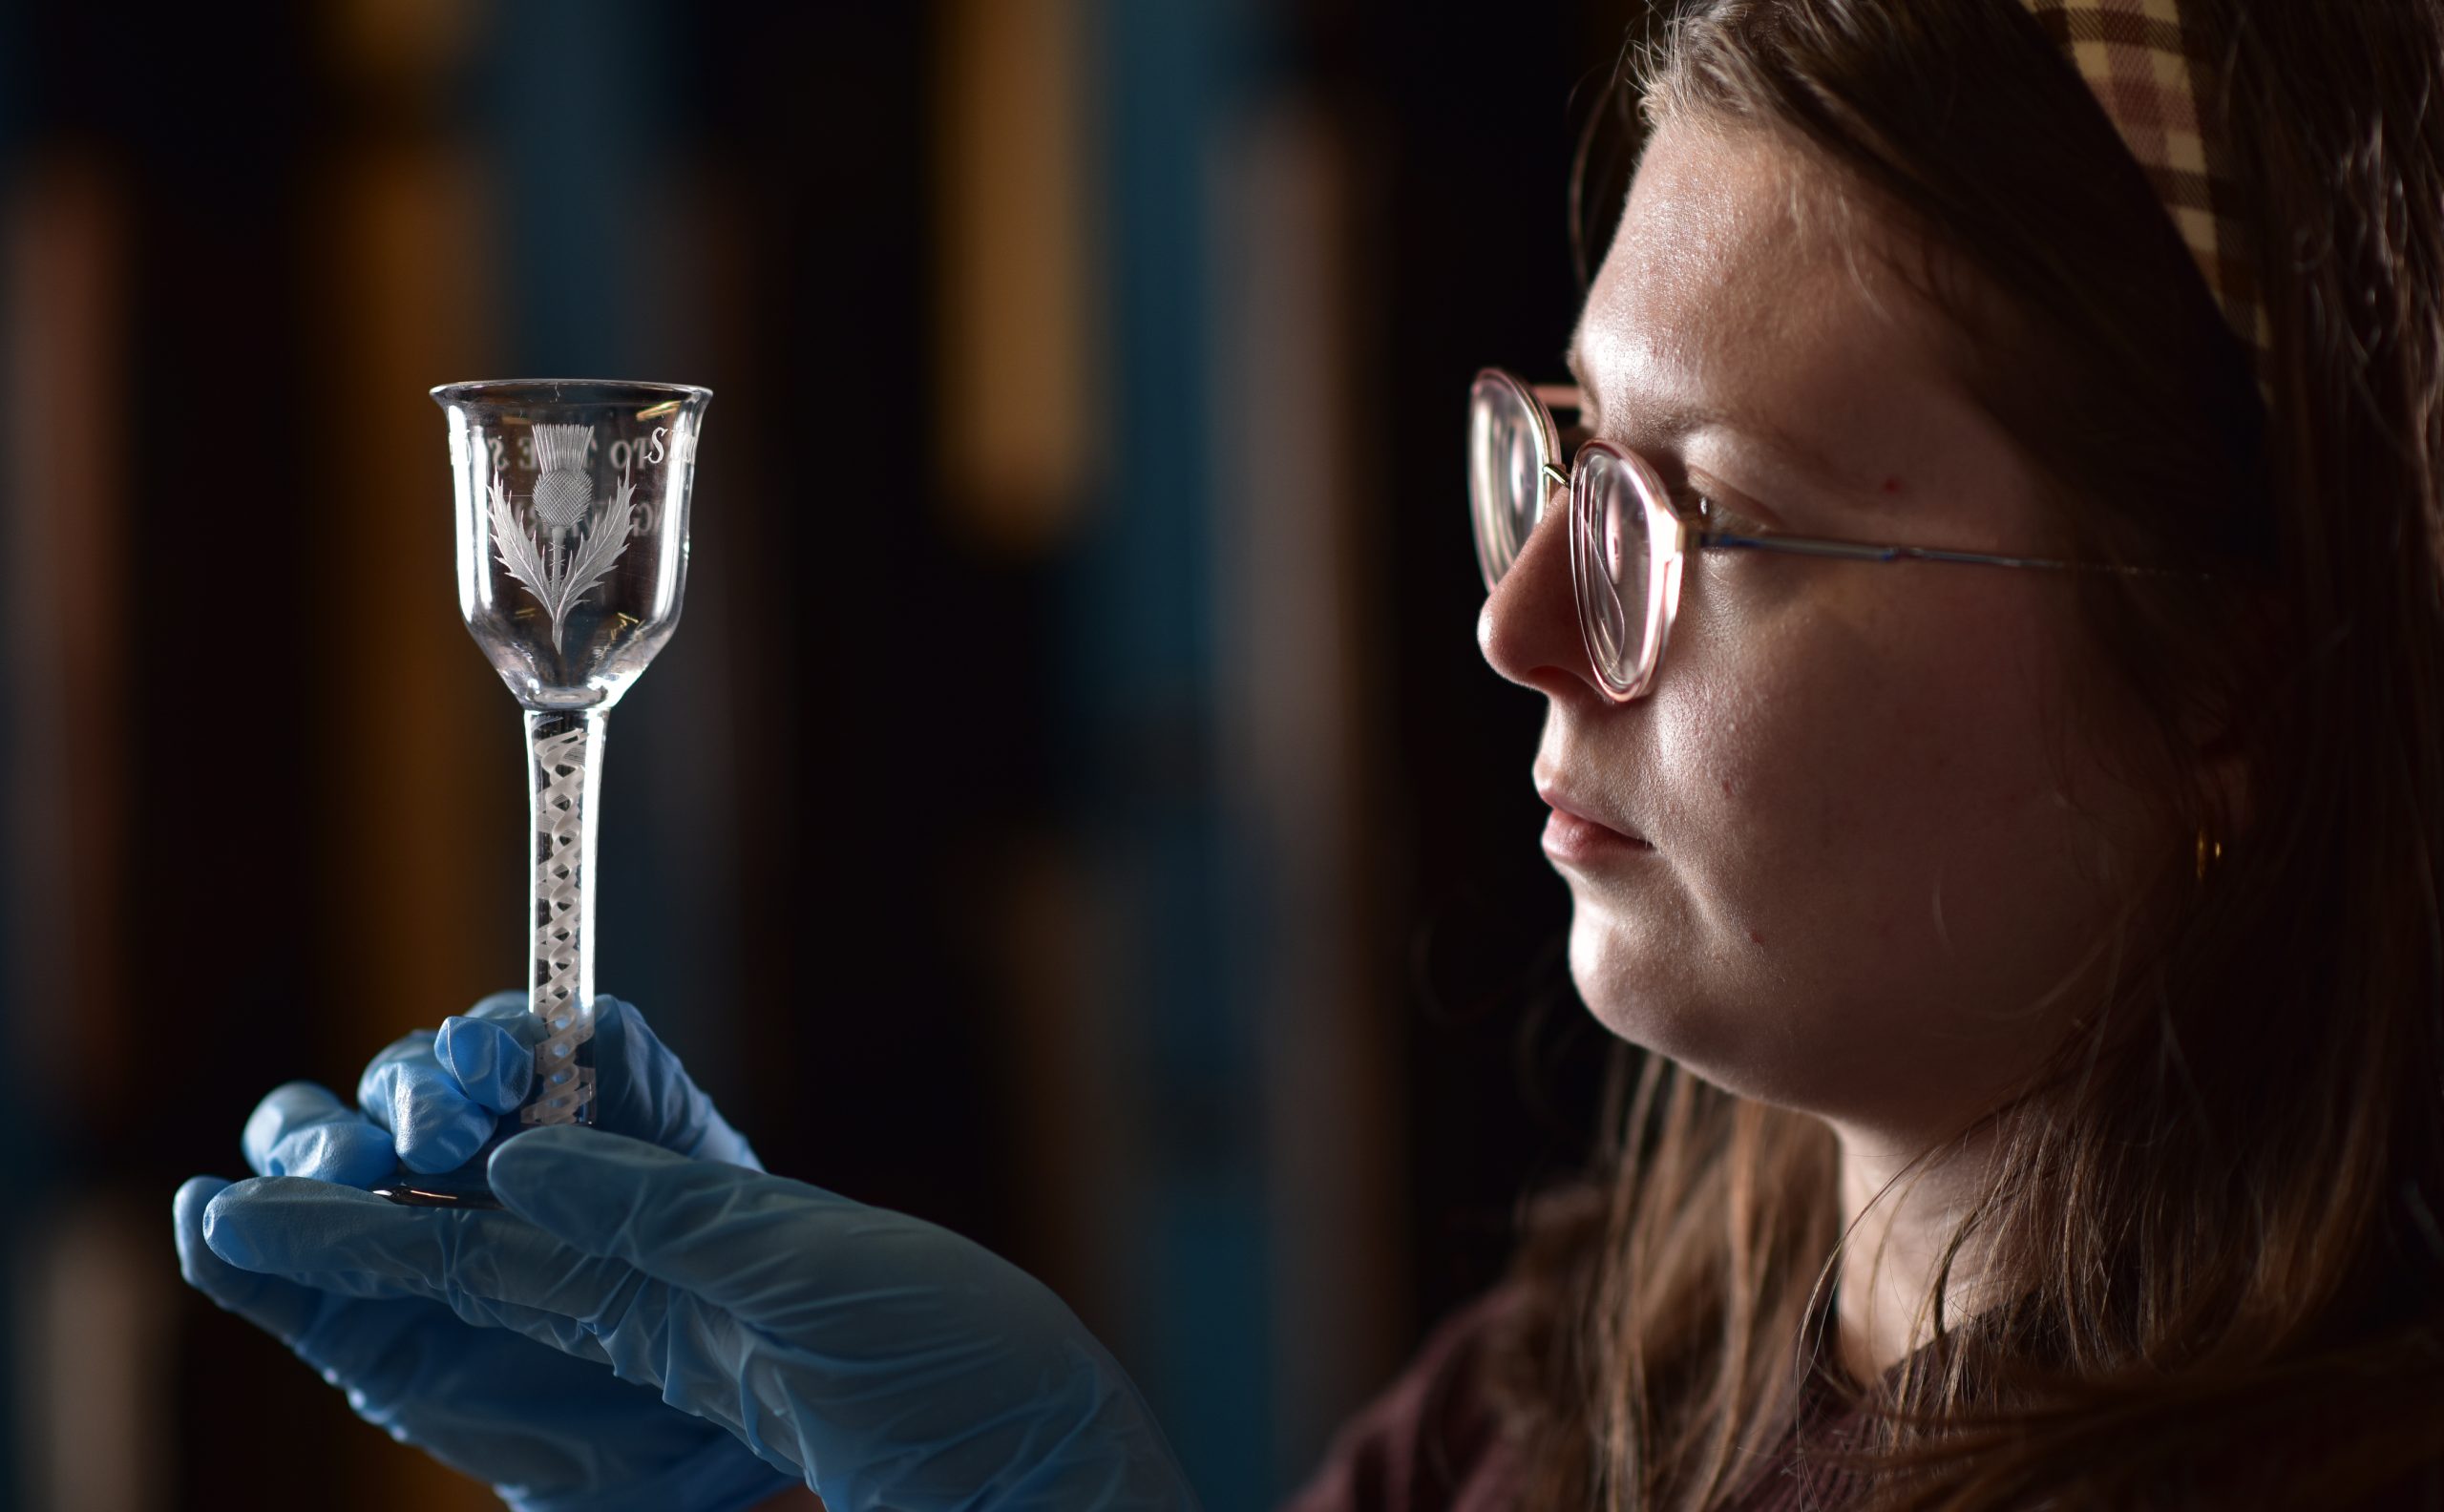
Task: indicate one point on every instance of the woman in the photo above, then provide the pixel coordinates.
(2042, 959)
(1995, 733)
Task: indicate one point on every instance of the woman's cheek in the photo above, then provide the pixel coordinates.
(1822, 771)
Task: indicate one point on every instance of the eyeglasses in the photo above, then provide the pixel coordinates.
(1627, 538)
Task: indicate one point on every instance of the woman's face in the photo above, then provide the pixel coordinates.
(1875, 837)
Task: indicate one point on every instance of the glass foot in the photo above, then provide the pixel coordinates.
(466, 1186)
(449, 1189)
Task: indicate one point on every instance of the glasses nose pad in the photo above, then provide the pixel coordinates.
(1552, 481)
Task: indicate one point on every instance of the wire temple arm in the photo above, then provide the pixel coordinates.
(1860, 551)
(1558, 396)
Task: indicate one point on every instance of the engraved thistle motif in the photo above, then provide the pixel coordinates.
(569, 547)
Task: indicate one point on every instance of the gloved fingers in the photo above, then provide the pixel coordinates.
(729, 1236)
(278, 1307)
(498, 1406)
(406, 1092)
(498, 1271)
(301, 1129)
(416, 1044)
(492, 1066)
(488, 1051)
(379, 1345)
(493, 1269)
(644, 1091)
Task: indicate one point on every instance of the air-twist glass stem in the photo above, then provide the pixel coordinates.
(564, 756)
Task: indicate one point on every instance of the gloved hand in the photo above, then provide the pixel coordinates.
(549, 1431)
(892, 1362)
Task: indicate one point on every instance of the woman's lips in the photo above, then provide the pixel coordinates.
(1572, 836)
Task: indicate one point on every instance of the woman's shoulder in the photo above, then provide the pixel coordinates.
(1430, 1442)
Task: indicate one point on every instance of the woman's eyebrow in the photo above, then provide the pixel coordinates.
(1674, 419)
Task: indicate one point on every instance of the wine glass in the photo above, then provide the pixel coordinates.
(572, 507)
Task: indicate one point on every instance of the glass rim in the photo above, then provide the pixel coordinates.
(591, 392)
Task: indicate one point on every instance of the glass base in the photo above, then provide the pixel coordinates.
(415, 1190)
(466, 1186)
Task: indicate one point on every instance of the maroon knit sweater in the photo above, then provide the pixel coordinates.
(1431, 1444)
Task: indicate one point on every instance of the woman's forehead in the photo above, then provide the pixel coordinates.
(1747, 291)
(1735, 264)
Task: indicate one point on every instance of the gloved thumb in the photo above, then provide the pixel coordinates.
(897, 1362)
(730, 1237)
(792, 1258)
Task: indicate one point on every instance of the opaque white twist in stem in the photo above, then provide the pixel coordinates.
(560, 809)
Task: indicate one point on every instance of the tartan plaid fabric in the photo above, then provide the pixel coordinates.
(2149, 68)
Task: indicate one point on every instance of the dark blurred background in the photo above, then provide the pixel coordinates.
(1072, 808)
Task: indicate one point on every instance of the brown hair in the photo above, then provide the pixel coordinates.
(2215, 1209)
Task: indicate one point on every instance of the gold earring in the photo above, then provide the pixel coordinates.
(2209, 850)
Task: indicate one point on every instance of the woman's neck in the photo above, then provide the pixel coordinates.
(1898, 1225)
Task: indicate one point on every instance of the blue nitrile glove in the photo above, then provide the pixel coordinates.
(893, 1363)
(550, 1432)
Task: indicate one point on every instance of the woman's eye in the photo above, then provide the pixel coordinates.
(1719, 518)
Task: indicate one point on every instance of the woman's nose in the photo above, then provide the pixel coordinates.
(1528, 628)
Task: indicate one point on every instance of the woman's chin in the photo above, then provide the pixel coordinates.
(1635, 985)
(1630, 949)
(1649, 992)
